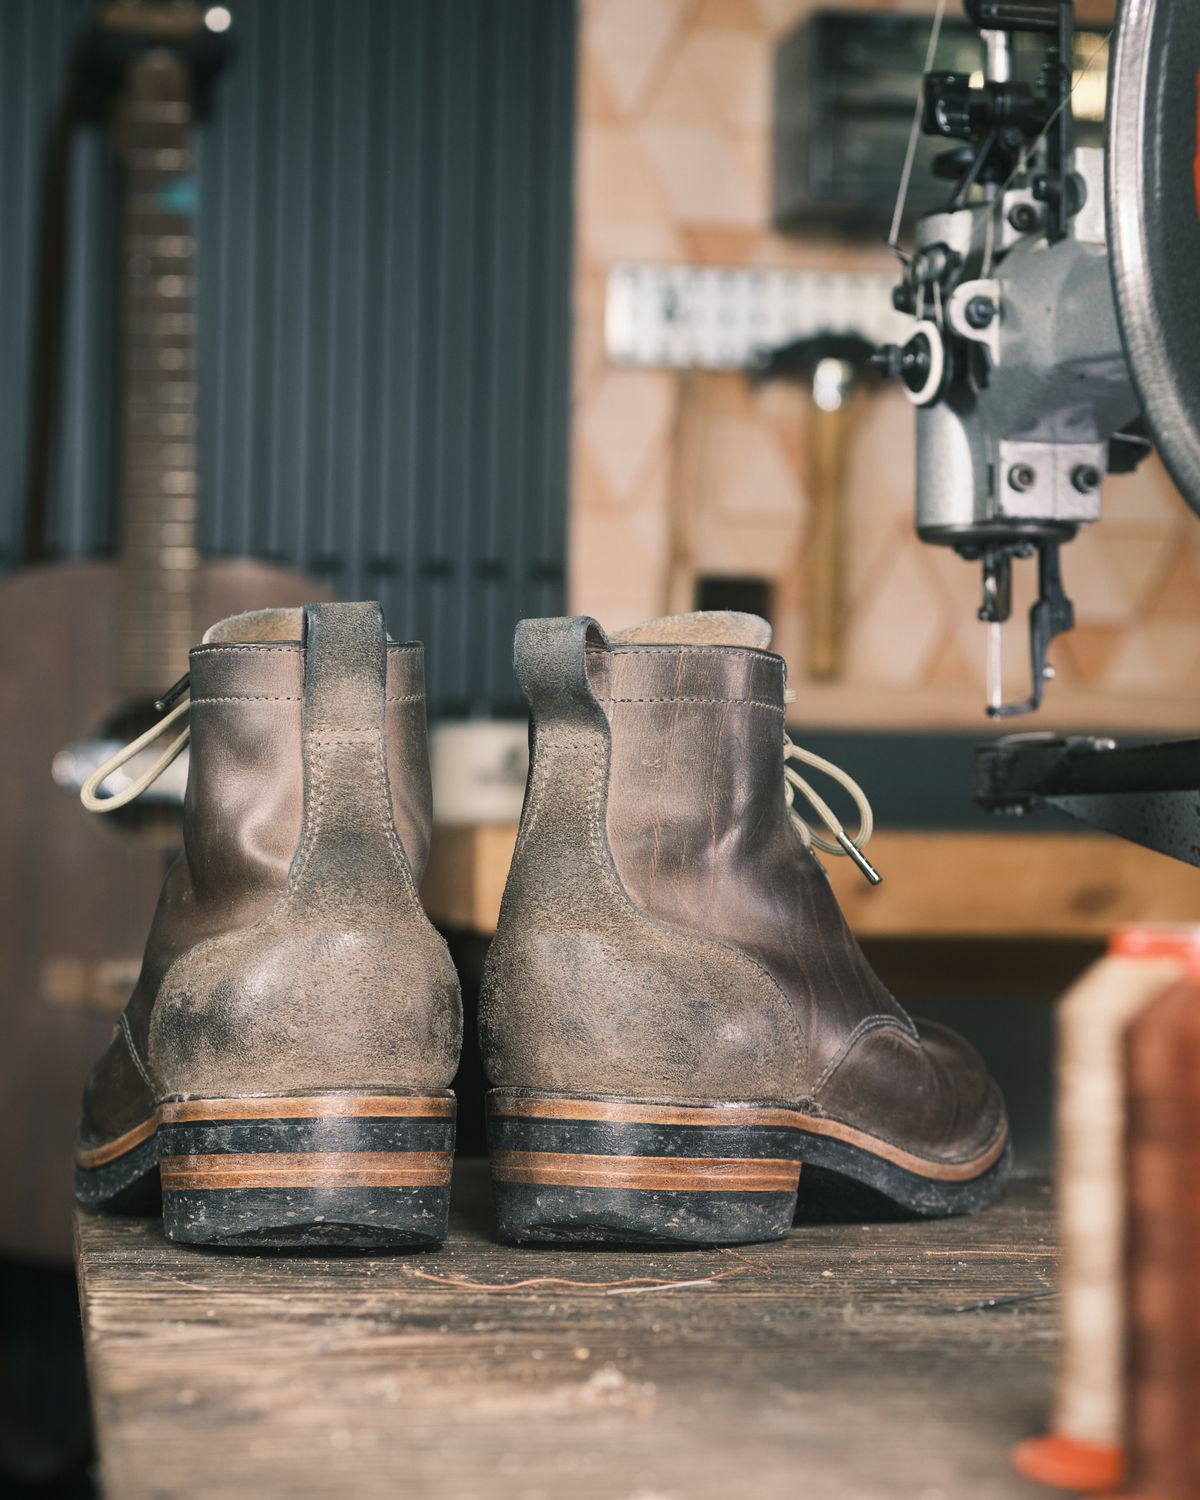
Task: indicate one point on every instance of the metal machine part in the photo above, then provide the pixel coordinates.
(1149, 794)
(1057, 332)
(1154, 221)
(1016, 363)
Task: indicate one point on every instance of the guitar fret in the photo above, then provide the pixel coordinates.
(161, 244)
(150, 157)
(173, 286)
(161, 354)
(167, 455)
(147, 544)
(161, 496)
(151, 346)
(172, 508)
(176, 398)
(146, 427)
(157, 221)
(152, 110)
(168, 357)
(141, 265)
(172, 482)
(174, 324)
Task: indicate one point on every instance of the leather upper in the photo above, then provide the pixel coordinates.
(674, 787)
(263, 974)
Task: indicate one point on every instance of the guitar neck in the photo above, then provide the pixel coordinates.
(158, 552)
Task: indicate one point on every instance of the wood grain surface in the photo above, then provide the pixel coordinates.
(849, 1362)
(935, 884)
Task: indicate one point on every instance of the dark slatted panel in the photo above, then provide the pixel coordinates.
(384, 265)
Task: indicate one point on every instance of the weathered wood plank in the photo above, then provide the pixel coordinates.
(858, 1361)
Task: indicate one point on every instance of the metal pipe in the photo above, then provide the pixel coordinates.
(998, 60)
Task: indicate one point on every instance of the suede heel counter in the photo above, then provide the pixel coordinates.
(595, 1010)
(295, 1003)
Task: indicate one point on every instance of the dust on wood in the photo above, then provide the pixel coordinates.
(832, 1371)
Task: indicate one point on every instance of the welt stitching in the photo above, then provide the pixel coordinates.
(406, 698)
(290, 650)
(746, 702)
(313, 818)
(538, 778)
(597, 759)
(767, 658)
(532, 806)
(547, 744)
(248, 698)
(387, 822)
(355, 739)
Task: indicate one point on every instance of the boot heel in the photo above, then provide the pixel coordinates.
(319, 1170)
(569, 1170)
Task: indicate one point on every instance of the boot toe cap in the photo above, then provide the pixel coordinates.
(929, 1095)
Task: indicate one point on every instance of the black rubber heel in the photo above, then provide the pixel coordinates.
(321, 1171)
(572, 1170)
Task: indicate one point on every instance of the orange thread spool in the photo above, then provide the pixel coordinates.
(1085, 1450)
(1162, 1051)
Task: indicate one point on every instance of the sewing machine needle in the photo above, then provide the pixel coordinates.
(995, 685)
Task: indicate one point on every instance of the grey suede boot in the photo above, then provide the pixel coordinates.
(675, 1016)
(284, 1061)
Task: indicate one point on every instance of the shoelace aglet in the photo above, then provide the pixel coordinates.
(859, 858)
(172, 694)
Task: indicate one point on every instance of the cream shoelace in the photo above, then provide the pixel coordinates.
(841, 843)
(89, 791)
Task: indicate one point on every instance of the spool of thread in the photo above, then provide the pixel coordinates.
(1084, 1452)
(1162, 1053)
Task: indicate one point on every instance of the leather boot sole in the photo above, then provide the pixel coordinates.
(570, 1170)
(270, 1172)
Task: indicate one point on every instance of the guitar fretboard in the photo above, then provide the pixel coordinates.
(158, 473)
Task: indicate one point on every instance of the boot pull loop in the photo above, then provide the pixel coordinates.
(349, 826)
(89, 791)
(345, 668)
(794, 782)
(550, 659)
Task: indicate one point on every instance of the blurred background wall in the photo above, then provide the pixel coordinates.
(674, 165)
(383, 246)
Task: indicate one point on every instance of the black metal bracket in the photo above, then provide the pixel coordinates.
(1147, 793)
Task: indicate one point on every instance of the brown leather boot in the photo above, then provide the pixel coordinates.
(283, 1063)
(675, 1016)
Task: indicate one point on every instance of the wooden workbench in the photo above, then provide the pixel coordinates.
(859, 1361)
(937, 884)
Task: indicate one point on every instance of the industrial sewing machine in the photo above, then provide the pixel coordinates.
(1055, 336)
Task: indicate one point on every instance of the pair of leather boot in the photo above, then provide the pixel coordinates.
(674, 1015)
